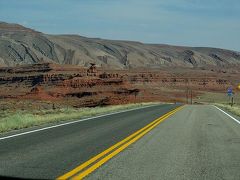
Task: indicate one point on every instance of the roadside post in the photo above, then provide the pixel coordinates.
(232, 102)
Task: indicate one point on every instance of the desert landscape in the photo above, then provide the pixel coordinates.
(128, 89)
(68, 85)
(70, 70)
(40, 72)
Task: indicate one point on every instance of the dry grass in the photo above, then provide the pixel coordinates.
(220, 98)
(235, 109)
(23, 119)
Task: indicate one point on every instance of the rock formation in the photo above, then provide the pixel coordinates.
(20, 45)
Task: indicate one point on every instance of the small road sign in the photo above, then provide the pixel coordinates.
(230, 92)
(230, 95)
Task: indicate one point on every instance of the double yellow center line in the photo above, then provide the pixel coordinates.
(92, 164)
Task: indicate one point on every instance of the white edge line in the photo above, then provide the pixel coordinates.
(72, 122)
(228, 114)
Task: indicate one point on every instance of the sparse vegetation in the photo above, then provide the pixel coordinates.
(221, 100)
(217, 97)
(23, 119)
(235, 109)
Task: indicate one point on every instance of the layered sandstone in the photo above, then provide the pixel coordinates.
(95, 86)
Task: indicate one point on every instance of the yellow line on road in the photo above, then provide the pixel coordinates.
(74, 174)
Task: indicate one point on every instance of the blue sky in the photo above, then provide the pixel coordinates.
(212, 23)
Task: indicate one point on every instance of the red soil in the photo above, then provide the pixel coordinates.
(79, 86)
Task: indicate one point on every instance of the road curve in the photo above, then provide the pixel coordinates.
(198, 142)
(50, 153)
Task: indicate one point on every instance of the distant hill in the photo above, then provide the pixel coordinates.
(21, 45)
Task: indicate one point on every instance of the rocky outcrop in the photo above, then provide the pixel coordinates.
(95, 86)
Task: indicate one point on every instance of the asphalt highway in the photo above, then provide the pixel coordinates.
(197, 142)
(50, 153)
(158, 142)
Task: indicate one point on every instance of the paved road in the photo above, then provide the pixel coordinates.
(198, 142)
(50, 153)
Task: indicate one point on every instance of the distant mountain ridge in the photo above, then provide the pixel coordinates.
(21, 45)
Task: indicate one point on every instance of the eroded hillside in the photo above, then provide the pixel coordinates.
(20, 45)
